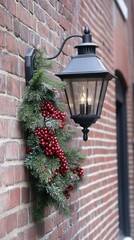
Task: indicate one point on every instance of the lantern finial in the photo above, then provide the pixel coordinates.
(85, 133)
(86, 30)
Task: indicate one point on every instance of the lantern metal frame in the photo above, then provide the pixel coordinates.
(85, 65)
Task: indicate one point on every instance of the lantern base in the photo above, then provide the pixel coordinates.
(85, 122)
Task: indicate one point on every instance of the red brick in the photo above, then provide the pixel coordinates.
(11, 150)
(20, 236)
(25, 195)
(8, 20)
(22, 218)
(49, 225)
(53, 2)
(14, 198)
(31, 6)
(3, 128)
(30, 233)
(10, 5)
(22, 48)
(39, 13)
(24, 3)
(23, 31)
(2, 16)
(21, 68)
(13, 87)
(8, 106)
(14, 130)
(11, 222)
(40, 230)
(25, 17)
(20, 174)
(2, 40)
(4, 201)
(16, 27)
(11, 43)
(22, 151)
(9, 63)
(7, 176)
(53, 235)
(2, 83)
(2, 152)
(43, 30)
(3, 229)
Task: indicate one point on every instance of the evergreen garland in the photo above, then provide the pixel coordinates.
(54, 166)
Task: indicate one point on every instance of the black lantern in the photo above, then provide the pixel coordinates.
(86, 82)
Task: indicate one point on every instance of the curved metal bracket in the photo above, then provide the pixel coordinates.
(62, 45)
(30, 57)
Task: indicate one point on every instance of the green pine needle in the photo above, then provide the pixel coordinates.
(48, 190)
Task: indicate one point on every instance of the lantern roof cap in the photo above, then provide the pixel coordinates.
(85, 65)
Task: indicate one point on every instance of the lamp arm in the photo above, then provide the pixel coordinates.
(62, 45)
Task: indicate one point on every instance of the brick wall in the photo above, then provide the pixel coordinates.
(124, 61)
(130, 109)
(43, 23)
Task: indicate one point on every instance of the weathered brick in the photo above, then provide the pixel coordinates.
(3, 229)
(8, 106)
(14, 130)
(16, 28)
(22, 151)
(25, 17)
(49, 225)
(31, 6)
(13, 87)
(25, 195)
(22, 48)
(5, 201)
(9, 63)
(3, 128)
(24, 3)
(8, 20)
(43, 30)
(2, 83)
(11, 222)
(39, 13)
(22, 218)
(2, 39)
(20, 174)
(23, 32)
(7, 176)
(30, 233)
(2, 152)
(11, 43)
(2, 22)
(14, 198)
(11, 150)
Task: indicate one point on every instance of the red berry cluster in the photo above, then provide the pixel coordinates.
(67, 191)
(49, 144)
(47, 140)
(28, 150)
(79, 172)
(48, 110)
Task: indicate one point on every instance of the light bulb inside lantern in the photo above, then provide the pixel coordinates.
(88, 103)
(82, 102)
(89, 100)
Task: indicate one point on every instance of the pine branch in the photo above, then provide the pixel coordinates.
(53, 175)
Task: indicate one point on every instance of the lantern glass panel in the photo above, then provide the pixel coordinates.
(84, 95)
(102, 96)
